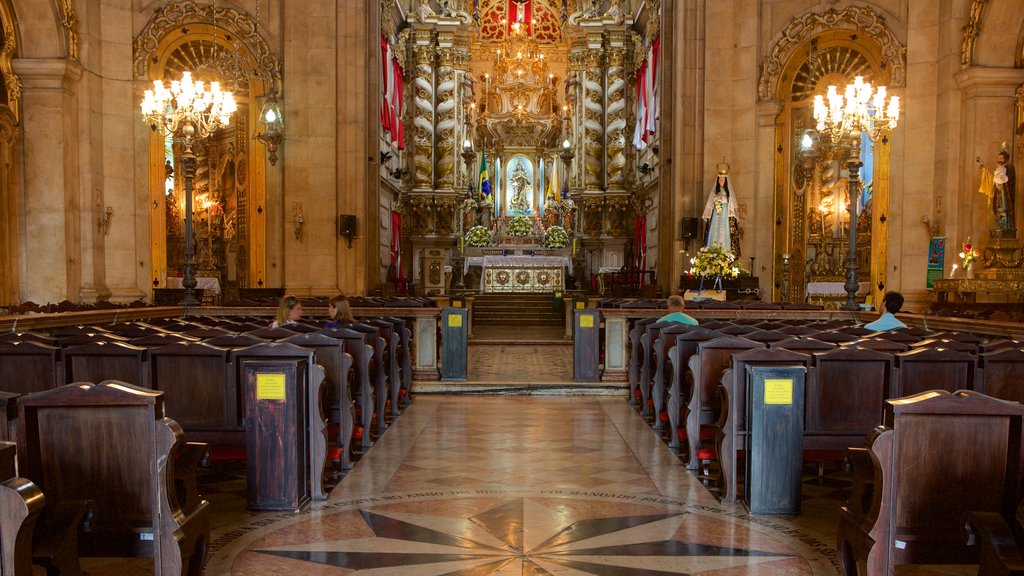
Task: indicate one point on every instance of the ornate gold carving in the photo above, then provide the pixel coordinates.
(444, 148)
(423, 113)
(615, 131)
(862, 19)
(971, 31)
(176, 15)
(69, 20)
(593, 128)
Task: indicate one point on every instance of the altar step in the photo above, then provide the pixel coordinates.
(526, 309)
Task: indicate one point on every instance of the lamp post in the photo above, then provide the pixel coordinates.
(191, 112)
(862, 111)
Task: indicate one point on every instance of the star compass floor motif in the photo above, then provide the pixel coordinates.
(521, 536)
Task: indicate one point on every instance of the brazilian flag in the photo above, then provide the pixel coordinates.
(485, 181)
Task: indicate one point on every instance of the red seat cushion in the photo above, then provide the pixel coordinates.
(357, 433)
(707, 454)
(227, 453)
(334, 454)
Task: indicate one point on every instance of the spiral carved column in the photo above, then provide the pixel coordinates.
(423, 111)
(615, 129)
(445, 115)
(593, 120)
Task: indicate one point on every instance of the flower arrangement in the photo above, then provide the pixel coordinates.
(555, 237)
(714, 261)
(478, 236)
(969, 254)
(519, 226)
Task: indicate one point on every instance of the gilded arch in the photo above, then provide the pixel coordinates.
(230, 184)
(862, 20)
(8, 50)
(810, 182)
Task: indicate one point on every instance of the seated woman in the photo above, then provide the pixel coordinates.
(339, 311)
(289, 311)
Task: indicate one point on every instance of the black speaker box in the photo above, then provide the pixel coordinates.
(690, 228)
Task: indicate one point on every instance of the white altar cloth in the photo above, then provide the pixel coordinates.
(515, 261)
(204, 282)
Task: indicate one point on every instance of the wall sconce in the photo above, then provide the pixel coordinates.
(347, 227)
(271, 127)
(299, 221)
(104, 222)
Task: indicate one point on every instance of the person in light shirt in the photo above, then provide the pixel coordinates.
(891, 304)
(676, 305)
(289, 311)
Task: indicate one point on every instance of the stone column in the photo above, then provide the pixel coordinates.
(423, 109)
(770, 242)
(616, 346)
(615, 115)
(444, 115)
(593, 119)
(51, 205)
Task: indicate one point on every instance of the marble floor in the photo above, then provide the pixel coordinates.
(522, 485)
(518, 485)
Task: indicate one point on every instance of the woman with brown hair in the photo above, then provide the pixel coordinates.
(339, 311)
(289, 311)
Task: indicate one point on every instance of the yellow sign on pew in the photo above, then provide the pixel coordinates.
(455, 320)
(778, 391)
(270, 387)
(586, 321)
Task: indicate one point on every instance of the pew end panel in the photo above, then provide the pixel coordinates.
(65, 446)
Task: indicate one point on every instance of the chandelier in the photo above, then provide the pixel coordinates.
(187, 108)
(863, 109)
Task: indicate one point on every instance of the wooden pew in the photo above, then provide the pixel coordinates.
(706, 367)
(636, 357)
(845, 395)
(924, 369)
(202, 391)
(98, 361)
(938, 456)
(65, 448)
(21, 503)
(8, 416)
(806, 345)
(404, 357)
(648, 365)
(330, 353)
(731, 437)
(680, 381)
(356, 345)
(377, 374)
(27, 367)
(666, 341)
(1002, 374)
(391, 372)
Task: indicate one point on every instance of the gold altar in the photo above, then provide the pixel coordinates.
(521, 273)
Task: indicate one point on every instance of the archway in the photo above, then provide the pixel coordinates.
(811, 205)
(230, 196)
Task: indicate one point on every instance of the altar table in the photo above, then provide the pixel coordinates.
(520, 273)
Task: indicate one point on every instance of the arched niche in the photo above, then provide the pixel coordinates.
(230, 194)
(811, 179)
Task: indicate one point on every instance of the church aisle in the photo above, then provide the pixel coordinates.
(522, 485)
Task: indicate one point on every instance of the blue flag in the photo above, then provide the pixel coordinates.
(485, 182)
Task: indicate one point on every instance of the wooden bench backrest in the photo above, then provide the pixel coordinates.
(99, 361)
(8, 416)
(202, 392)
(21, 502)
(846, 392)
(27, 367)
(939, 456)
(1002, 374)
(924, 369)
(807, 345)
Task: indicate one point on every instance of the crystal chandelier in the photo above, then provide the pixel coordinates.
(862, 109)
(187, 108)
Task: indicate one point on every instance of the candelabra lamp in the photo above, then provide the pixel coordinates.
(863, 110)
(190, 112)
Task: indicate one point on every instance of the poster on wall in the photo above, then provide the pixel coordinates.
(936, 257)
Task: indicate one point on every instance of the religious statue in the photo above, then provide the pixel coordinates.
(721, 214)
(424, 10)
(998, 187)
(522, 189)
(1004, 179)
